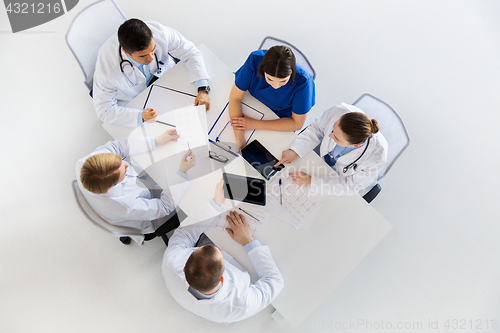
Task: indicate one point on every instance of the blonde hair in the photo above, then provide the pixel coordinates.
(357, 127)
(100, 172)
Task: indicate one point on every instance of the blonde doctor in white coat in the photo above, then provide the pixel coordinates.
(350, 143)
(131, 59)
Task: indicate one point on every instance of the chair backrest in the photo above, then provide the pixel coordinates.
(89, 30)
(300, 58)
(391, 127)
(93, 217)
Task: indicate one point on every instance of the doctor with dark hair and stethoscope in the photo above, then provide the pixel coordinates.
(132, 60)
(350, 143)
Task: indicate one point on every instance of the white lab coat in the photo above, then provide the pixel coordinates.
(113, 89)
(356, 180)
(129, 202)
(238, 298)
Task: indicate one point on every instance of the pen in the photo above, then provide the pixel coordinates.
(217, 139)
(249, 214)
(281, 196)
(164, 123)
(189, 158)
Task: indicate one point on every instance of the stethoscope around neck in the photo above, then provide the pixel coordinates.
(157, 71)
(353, 164)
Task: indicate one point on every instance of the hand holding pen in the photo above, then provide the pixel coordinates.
(149, 115)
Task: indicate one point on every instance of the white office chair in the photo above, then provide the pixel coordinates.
(92, 216)
(88, 32)
(300, 58)
(392, 128)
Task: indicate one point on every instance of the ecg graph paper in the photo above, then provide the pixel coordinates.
(256, 227)
(299, 206)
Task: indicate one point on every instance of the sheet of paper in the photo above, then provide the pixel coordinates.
(296, 205)
(256, 218)
(164, 100)
(222, 131)
(189, 126)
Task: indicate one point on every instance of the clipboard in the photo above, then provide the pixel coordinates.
(222, 134)
(164, 100)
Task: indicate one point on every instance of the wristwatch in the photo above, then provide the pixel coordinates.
(204, 88)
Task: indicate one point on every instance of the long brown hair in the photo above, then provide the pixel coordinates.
(278, 61)
(357, 127)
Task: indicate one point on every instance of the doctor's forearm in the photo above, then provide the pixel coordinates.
(280, 125)
(235, 111)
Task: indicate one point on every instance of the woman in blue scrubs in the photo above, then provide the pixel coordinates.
(274, 78)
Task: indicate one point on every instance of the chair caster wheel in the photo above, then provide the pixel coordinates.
(125, 240)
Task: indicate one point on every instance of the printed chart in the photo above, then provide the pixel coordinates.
(189, 127)
(293, 203)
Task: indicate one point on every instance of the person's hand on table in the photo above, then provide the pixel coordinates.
(166, 137)
(244, 123)
(238, 230)
(301, 178)
(149, 115)
(187, 161)
(287, 156)
(203, 99)
(219, 198)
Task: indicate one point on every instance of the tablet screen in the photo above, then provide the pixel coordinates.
(261, 159)
(245, 189)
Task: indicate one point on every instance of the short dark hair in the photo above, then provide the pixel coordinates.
(278, 61)
(357, 127)
(134, 35)
(203, 269)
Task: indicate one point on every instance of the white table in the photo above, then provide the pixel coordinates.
(313, 262)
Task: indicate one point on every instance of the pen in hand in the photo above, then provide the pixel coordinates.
(189, 157)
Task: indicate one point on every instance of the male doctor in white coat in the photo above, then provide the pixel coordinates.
(350, 143)
(133, 59)
(209, 282)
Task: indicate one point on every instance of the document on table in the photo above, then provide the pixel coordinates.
(222, 131)
(256, 218)
(192, 121)
(189, 125)
(164, 99)
(298, 205)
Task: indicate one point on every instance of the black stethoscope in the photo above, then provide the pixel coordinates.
(353, 164)
(157, 71)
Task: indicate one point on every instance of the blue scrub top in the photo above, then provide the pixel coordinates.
(298, 96)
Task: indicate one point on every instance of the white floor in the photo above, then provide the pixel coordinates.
(436, 62)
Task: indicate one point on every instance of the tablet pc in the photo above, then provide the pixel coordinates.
(261, 159)
(245, 189)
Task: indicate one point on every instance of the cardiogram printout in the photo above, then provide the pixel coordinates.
(296, 205)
